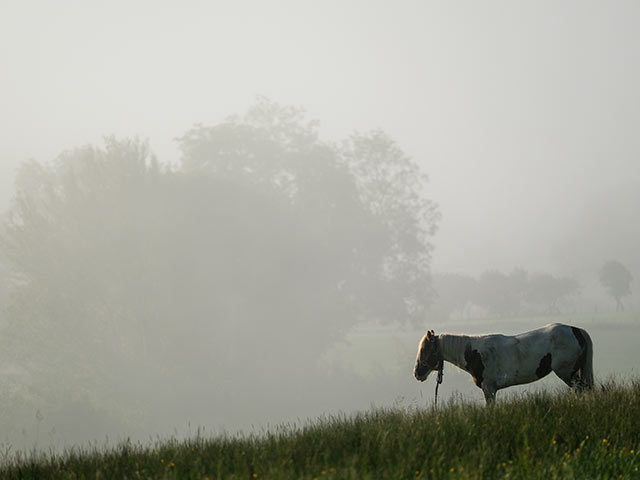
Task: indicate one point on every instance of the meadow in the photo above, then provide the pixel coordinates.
(541, 430)
(540, 435)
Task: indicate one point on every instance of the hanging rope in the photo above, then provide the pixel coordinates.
(439, 379)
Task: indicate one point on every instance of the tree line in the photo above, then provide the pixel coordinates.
(224, 273)
(521, 292)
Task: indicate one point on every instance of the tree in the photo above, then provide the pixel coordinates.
(511, 294)
(454, 292)
(502, 294)
(237, 267)
(616, 279)
(547, 291)
(79, 234)
(391, 186)
(366, 194)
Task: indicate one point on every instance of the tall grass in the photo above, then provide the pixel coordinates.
(564, 435)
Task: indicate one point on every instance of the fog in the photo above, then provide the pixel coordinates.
(258, 206)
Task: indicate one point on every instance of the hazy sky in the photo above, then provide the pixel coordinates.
(525, 115)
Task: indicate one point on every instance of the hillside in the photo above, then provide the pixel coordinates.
(595, 435)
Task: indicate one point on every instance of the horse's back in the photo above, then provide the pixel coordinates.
(554, 333)
(568, 334)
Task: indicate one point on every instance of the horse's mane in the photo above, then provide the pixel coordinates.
(454, 342)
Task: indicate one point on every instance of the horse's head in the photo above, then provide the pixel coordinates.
(429, 356)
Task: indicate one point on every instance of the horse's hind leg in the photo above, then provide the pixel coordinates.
(579, 383)
(567, 376)
(571, 377)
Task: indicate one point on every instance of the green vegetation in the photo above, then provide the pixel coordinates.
(120, 275)
(568, 435)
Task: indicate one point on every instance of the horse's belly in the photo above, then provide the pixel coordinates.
(517, 377)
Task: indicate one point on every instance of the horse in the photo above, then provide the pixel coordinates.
(500, 361)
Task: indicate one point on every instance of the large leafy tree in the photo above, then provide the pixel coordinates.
(236, 266)
(364, 201)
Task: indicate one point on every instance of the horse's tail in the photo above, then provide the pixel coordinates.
(586, 374)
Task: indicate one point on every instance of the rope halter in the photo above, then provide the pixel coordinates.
(440, 367)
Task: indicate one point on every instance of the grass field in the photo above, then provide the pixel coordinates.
(595, 435)
(539, 430)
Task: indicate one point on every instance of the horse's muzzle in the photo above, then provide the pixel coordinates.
(421, 373)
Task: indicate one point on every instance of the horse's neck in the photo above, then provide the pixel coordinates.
(453, 347)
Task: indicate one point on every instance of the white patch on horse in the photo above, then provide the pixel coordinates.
(500, 361)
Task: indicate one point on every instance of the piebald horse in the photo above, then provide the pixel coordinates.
(500, 361)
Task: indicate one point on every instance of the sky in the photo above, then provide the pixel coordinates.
(525, 115)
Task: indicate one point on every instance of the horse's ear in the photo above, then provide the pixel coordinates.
(433, 333)
(429, 333)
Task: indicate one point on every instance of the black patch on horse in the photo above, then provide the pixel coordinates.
(579, 336)
(544, 368)
(474, 365)
(578, 368)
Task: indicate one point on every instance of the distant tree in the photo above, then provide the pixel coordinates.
(502, 294)
(616, 279)
(364, 198)
(4, 285)
(79, 234)
(454, 292)
(391, 186)
(548, 291)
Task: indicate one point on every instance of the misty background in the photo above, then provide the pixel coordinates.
(230, 215)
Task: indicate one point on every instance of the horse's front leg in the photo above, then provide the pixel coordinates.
(489, 394)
